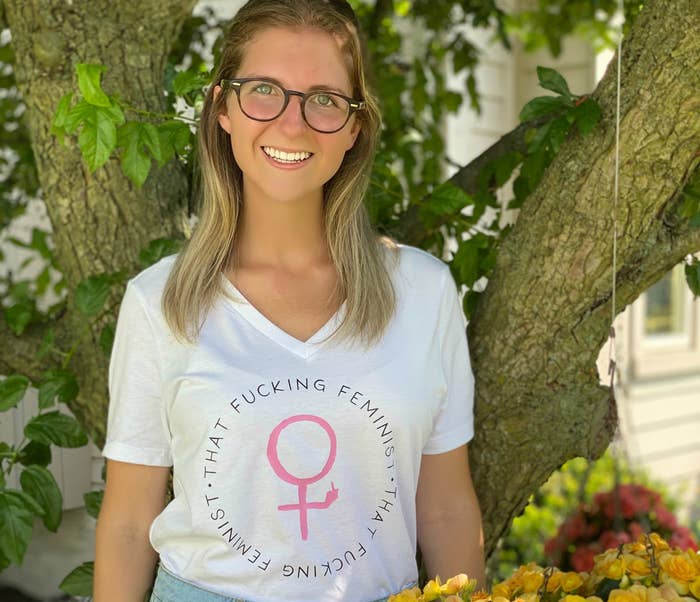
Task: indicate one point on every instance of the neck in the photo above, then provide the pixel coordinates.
(288, 235)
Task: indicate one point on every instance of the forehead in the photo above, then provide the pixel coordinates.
(299, 58)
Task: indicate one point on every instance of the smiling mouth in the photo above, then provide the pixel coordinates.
(286, 157)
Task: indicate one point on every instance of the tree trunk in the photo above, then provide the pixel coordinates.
(100, 220)
(546, 312)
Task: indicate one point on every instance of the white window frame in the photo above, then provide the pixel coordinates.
(659, 355)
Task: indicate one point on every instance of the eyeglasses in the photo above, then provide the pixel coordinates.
(264, 100)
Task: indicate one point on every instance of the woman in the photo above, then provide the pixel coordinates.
(308, 382)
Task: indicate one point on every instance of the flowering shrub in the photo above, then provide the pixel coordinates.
(614, 518)
(647, 570)
(456, 589)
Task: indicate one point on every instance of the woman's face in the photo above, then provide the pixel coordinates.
(298, 60)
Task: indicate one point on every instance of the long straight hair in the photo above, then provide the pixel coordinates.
(362, 259)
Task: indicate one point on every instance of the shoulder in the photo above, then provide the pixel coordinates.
(149, 284)
(420, 268)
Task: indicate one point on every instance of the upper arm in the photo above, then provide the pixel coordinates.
(445, 486)
(134, 493)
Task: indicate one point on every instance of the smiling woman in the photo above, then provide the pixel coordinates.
(288, 490)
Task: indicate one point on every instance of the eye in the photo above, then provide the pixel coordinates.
(264, 88)
(325, 100)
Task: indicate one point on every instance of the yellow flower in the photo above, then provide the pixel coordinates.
(454, 584)
(695, 588)
(637, 568)
(499, 599)
(668, 592)
(679, 570)
(532, 581)
(481, 596)
(571, 582)
(573, 598)
(408, 595)
(431, 591)
(593, 599)
(636, 593)
(453, 598)
(659, 542)
(501, 590)
(616, 569)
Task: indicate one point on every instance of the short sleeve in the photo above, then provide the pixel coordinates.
(454, 425)
(136, 428)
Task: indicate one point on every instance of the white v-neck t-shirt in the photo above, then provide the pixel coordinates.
(295, 463)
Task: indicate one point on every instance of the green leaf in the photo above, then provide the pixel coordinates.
(54, 427)
(39, 483)
(447, 199)
(587, 115)
(189, 81)
(89, 84)
(557, 133)
(59, 118)
(503, 167)
(692, 275)
(79, 581)
(35, 453)
(42, 281)
(107, 338)
(57, 384)
(91, 294)
(533, 167)
(466, 262)
(39, 243)
(98, 138)
(16, 523)
(93, 502)
(135, 162)
(543, 105)
(12, 390)
(46, 344)
(606, 586)
(471, 298)
(174, 138)
(157, 249)
(19, 316)
(151, 139)
(550, 79)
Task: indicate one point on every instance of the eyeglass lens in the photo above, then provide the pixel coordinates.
(324, 111)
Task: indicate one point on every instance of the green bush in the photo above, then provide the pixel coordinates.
(577, 481)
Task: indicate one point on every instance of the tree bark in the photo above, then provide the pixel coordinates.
(546, 312)
(100, 220)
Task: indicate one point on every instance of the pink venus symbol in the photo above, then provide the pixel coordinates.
(300, 482)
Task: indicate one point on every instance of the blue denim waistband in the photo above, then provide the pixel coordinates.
(170, 588)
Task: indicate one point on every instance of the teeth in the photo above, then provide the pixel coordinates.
(285, 157)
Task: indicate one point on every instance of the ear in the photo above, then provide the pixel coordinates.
(222, 118)
(353, 132)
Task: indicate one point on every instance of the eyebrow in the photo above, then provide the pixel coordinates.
(316, 88)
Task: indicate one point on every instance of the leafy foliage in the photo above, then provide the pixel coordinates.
(577, 481)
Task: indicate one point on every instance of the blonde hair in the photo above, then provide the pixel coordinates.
(361, 258)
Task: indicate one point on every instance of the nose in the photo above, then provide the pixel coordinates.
(291, 120)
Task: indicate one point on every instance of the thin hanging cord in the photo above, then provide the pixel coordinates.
(613, 310)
